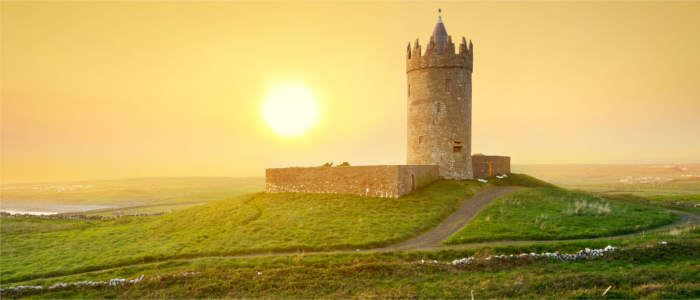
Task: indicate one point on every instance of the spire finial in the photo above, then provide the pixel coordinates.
(439, 15)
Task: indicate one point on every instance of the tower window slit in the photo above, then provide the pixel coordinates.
(457, 146)
(448, 85)
(420, 139)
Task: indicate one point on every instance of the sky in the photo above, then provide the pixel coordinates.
(98, 90)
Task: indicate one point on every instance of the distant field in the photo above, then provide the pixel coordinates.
(158, 194)
(672, 188)
(668, 185)
(244, 224)
(594, 174)
(546, 213)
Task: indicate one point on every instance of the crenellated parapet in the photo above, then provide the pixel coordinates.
(432, 58)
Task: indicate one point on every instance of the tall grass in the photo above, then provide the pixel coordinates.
(584, 206)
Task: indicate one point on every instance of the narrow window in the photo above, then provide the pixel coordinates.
(409, 90)
(437, 106)
(457, 146)
(420, 139)
(448, 85)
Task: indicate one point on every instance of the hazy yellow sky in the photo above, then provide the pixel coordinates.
(126, 89)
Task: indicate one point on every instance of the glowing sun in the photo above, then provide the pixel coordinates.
(290, 109)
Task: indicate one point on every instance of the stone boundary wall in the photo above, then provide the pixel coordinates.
(388, 181)
(481, 164)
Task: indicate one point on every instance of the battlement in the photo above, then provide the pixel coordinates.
(445, 58)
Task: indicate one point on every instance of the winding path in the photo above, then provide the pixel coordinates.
(429, 240)
(454, 222)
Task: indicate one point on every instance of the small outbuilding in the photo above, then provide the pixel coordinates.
(490, 165)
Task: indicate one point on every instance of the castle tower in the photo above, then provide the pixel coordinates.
(440, 104)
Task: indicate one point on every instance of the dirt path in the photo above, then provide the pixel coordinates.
(688, 220)
(454, 222)
(426, 241)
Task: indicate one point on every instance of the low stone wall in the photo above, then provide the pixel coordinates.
(373, 181)
(490, 165)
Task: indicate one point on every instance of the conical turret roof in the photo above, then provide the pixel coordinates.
(439, 36)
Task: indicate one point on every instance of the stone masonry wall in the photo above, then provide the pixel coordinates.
(481, 165)
(422, 175)
(373, 181)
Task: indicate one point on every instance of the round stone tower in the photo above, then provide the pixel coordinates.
(440, 104)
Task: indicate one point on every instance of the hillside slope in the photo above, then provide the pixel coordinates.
(252, 223)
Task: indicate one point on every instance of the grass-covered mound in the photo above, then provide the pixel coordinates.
(247, 224)
(547, 213)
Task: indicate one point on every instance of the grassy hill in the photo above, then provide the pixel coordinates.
(164, 247)
(252, 223)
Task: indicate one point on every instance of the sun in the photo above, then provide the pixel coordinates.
(290, 109)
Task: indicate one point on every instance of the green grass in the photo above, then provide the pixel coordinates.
(547, 213)
(133, 211)
(689, 203)
(677, 199)
(247, 224)
(671, 188)
(518, 180)
(642, 269)
(685, 201)
(22, 225)
(189, 239)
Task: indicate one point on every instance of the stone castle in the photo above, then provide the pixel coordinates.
(439, 92)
